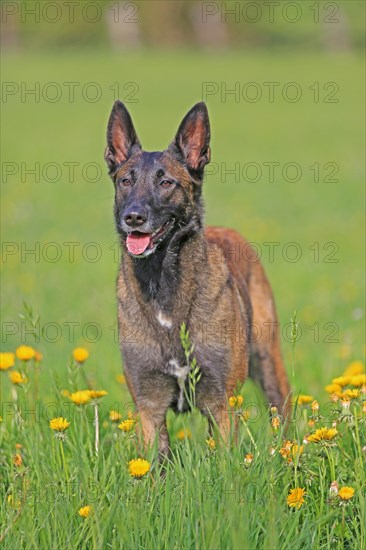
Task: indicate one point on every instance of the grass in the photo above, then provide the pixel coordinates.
(207, 499)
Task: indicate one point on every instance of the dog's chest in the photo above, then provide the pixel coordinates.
(163, 320)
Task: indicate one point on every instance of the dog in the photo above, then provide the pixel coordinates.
(174, 271)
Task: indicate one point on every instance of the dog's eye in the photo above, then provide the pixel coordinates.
(126, 182)
(166, 183)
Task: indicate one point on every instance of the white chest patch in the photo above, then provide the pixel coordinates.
(165, 321)
(176, 370)
(181, 373)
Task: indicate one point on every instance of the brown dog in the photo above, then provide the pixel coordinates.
(174, 271)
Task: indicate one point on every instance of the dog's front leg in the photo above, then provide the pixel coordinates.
(153, 426)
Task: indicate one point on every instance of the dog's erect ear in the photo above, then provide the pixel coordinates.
(122, 140)
(192, 141)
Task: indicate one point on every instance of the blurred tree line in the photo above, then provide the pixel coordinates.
(122, 24)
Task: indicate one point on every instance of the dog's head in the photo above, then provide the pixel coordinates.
(157, 195)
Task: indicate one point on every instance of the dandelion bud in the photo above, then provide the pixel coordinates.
(38, 356)
(232, 401)
(333, 489)
(315, 406)
(334, 397)
(275, 422)
(248, 458)
(244, 417)
(239, 400)
(17, 460)
(345, 404)
(274, 410)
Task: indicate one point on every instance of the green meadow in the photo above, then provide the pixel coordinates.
(287, 172)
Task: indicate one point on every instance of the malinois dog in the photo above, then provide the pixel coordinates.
(174, 270)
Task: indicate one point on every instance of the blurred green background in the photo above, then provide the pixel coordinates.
(158, 62)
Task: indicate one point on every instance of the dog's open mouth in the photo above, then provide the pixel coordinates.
(143, 244)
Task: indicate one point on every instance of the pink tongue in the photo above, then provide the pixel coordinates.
(137, 243)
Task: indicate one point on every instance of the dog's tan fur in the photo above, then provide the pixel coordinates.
(211, 280)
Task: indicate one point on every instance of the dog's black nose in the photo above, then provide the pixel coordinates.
(135, 218)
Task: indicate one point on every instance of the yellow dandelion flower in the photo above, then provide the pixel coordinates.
(345, 493)
(80, 355)
(127, 425)
(211, 443)
(59, 424)
(85, 511)
(305, 399)
(342, 380)
(232, 401)
(291, 450)
(295, 497)
(322, 434)
(358, 380)
(138, 467)
(354, 368)
(7, 360)
(285, 449)
(17, 460)
(25, 353)
(121, 379)
(115, 416)
(80, 397)
(248, 458)
(333, 388)
(96, 394)
(184, 434)
(352, 394)
(17, 378)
